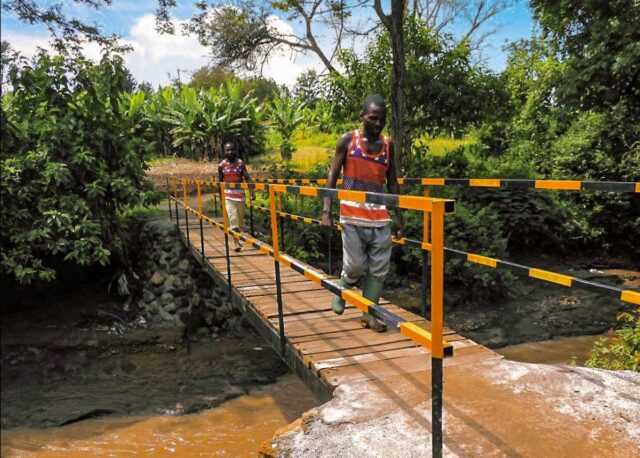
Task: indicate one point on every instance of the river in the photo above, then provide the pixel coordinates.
(565, 350)
(236, 428)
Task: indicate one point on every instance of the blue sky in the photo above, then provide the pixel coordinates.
(156, 57)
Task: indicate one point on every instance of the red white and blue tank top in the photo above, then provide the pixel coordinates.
(364, 171)
(232, 173)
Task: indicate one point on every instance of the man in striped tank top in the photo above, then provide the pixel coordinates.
(233, 170)
(365, 158)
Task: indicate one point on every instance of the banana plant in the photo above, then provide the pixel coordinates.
(286, 116)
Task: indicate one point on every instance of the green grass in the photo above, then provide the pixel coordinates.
(440, 146)
(312, 147)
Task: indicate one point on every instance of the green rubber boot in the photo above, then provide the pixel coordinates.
(337, 304)
(372, 290)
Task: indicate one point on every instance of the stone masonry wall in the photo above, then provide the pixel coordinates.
(177, 290)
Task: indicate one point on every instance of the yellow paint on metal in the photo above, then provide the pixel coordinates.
(294, 217)
(417, 334)
(400, 180)
(285, 259)
(278, 187)
(308, 191)
(274, 222)
(433, 181)
(400, 241)
(307, 220)
(420, 336)
(426, 218)
(321, 181)
(260, 186)
(485, 261)
(314, 276)
(306, 181)
(632, 297)
(560, 279)
(484, 183)
(414, 203)
(356, 299)
(265, 249)
(426, 246)
(244, 185)
(437, 276)
(199, 189)
(638, 187)
(567, 185)
(355, 196)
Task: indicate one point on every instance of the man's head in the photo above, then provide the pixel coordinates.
(230, 152)
(373, 115)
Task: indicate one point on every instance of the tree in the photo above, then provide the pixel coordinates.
(394, 24)
(310, 87)
(598, 45)
(469, 15)
(445, 92)
(72, 163)
(67, 33)
(261, 88)
(245, 35)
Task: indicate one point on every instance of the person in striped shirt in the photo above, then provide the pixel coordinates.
(233, 170)
(365, 158)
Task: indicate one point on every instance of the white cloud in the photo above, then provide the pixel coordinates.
(156, 56)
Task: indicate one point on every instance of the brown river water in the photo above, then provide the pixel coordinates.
(237, 428)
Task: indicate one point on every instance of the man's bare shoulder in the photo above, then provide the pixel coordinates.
(345, 140)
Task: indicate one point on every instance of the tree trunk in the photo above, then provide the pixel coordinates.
(394, 23)
(398, 104)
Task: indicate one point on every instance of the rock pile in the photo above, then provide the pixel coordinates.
(176, 289)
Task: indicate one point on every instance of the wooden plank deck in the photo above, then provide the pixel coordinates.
(333, 348)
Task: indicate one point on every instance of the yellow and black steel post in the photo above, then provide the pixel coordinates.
(175, 201)
(330, 244)
(215, 203)
(425, 259)
(200, 213)
(225, 219)
(253, 234)
(437, 323)
(185, 205)
(169, 199)
(281, 221)
(276, 260)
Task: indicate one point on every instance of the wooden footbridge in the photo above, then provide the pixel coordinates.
(289, 304)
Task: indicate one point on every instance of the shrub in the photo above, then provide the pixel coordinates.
(621, 352)
(72, 163)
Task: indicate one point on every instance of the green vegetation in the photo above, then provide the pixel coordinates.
(621, 352)
(196, 123)
(77, 136)
(73, 164)
(286, 114)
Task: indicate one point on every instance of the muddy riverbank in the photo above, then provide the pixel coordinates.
(534, 311)
(70, 359)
